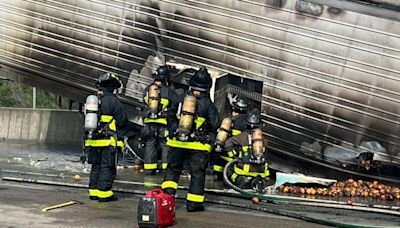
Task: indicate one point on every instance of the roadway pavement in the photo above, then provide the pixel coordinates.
(21, 204)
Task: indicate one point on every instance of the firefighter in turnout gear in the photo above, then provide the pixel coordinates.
(158, 98)
(191, 139)
(101, 142)
(240, 107)
(250, 148)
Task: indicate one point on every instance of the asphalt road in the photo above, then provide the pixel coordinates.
(21, 204)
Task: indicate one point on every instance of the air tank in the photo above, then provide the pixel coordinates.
(153, 99)
(187, 115)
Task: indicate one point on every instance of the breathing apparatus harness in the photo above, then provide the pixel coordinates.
(223, 133)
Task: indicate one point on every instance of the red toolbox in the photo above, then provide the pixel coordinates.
(156, 209)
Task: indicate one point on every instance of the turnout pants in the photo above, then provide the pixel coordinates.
(156, 139)
(150, 157)
(220, 161)
(103, 172)
(197, 162)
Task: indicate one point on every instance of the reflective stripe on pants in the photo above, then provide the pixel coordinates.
(195, 198)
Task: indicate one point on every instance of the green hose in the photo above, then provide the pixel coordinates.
(295, 215)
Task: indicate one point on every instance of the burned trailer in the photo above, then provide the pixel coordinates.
(325, 73)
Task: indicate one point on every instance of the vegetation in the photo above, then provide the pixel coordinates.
(18, 95)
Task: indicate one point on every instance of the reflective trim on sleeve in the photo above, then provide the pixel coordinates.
(231, 154)
(169, 184)
(104, 194)
(218, 168)
(110, 120)
(121, 144)
(195, 198)
(235, 132)
(159, 121)
(189, 145)
(105, 118)
(164, 165)
(199, 121)
(165, 103)
(226, 158)
(234, 176)
(150, 166)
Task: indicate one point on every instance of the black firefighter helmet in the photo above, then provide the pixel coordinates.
(162, 73)
(108, 81)
(201, 80)
(253, 119)
(240, 105)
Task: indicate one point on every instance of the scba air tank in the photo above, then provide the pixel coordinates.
(258, 143)
(91, 108)
(153, 99)
(188, 113)
(223, 131)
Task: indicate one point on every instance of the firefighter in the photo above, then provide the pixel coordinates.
(158, 98)
(240, 107)
(191, 139)
(250, 148)
(102, 142)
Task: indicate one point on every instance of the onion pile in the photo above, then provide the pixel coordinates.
(349, 188)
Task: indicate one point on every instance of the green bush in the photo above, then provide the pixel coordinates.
(18, 95)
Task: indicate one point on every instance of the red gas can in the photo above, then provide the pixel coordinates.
(156, 209)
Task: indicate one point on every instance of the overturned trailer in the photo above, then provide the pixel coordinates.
(325, 73)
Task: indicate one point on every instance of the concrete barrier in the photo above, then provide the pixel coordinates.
(41, 125)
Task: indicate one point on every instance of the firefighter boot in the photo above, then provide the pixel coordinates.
(108, 199)
(194, 207)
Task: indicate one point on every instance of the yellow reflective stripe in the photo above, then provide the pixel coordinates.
(165, 103)
(164, 165)
(189, 145)
(120, 144)
(169, 184)
(199, 121)
(105, 118)
(235, 132)
(231, 153)
(218, 168)
(101, 142)
(159, 120)
(234, 176)
(110, 120)
(245, 148)
(252, 174)
(246, 168)
(150, 166)
(93, 192)
(195, 198)
(166, 133)
(113, 126)
(226, 158)
(104, 194)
